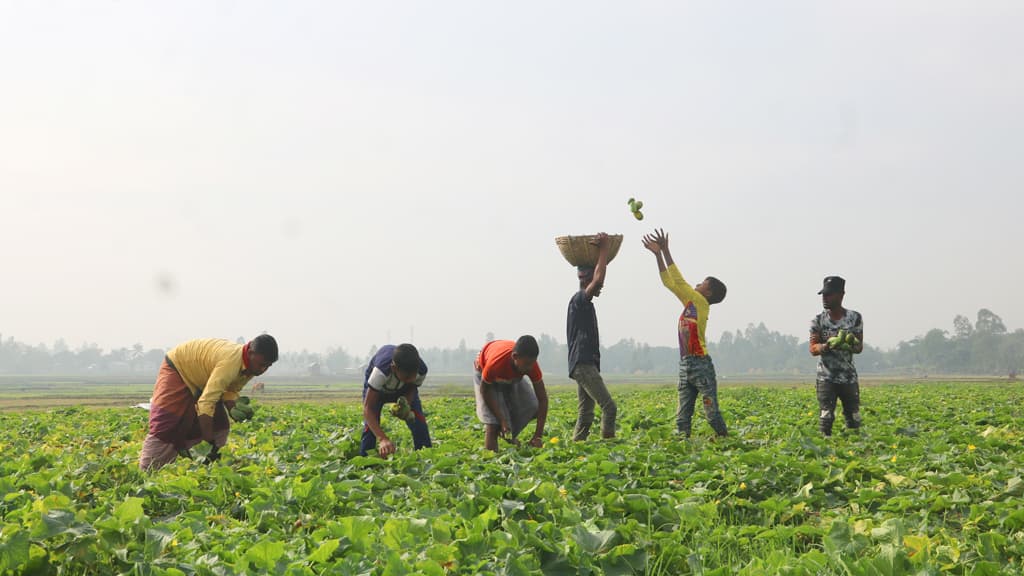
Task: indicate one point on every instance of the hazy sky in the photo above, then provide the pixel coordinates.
(345, 173)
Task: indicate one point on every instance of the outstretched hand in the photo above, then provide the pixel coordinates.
(651, 244)
(661, 237)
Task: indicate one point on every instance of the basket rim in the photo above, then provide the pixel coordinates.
(578, 250)
(577, 237)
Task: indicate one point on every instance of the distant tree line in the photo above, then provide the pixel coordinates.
(984, 347)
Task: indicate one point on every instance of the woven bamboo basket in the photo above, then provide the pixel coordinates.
(581, 251)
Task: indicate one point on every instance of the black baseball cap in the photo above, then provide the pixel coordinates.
(832, 285)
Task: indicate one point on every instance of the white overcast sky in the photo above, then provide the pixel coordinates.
(348, 173)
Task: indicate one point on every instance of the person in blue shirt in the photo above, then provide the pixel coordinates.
(393, 372)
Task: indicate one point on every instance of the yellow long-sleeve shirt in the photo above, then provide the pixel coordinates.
(694, 319)
(212, 369)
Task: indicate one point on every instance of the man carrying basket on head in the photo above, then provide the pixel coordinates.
(585, 348)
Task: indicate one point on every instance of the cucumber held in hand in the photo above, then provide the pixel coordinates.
(402, 410)
(242, 412)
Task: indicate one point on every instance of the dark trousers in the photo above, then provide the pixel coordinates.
(418, 427)
(829, 391)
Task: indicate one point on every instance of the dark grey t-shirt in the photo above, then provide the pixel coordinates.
(581, 332)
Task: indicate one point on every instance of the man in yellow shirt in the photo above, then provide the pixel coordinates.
(197, 385)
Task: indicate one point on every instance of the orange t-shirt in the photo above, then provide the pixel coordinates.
(495, 364)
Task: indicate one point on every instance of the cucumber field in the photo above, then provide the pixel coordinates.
(932, 484)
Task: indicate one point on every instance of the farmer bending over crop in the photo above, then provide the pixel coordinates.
(585, 348)
(696, 371)
(395, 374)
(505, 402)
(198, 383)
(836, 335)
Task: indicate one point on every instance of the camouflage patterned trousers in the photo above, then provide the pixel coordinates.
(697, 376)
(829, 391)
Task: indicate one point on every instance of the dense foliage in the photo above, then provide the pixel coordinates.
(931, 484)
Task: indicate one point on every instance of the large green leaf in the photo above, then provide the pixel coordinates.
(157, 540)
(57, 522)
(359, 530)
(510, 507)
(265, 553)
(323, 552)
(129, 511)
(400, 533)
(14, 551)
(842, 543)
(594, 541)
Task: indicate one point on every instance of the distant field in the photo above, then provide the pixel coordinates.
(35, 392)
(41, 392)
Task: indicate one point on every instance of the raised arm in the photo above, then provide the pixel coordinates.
(661, 237)
(602, 264)
(652, 244)
(670, 275)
